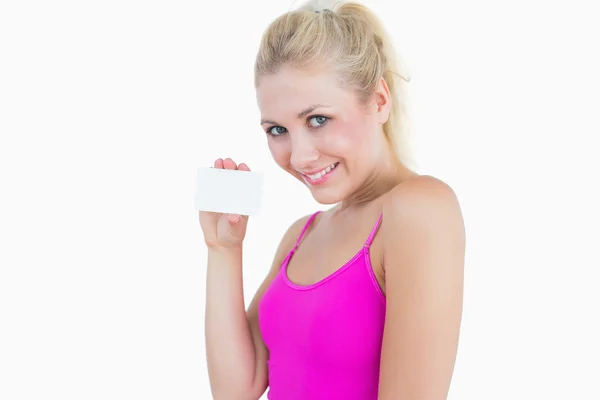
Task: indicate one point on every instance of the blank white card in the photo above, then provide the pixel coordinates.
(228, 191)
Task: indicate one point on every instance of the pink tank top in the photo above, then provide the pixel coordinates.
(324, 339)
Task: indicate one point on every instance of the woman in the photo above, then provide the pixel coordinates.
(364, 300)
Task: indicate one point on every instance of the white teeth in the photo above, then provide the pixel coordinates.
(319, 175)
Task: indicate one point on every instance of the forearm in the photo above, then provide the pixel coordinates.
(229, 347)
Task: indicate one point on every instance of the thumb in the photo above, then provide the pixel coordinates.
(234, 219)
(237, 220)
(237, 225)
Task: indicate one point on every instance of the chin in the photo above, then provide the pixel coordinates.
(324, 194)
(327, 196)
(327, 199)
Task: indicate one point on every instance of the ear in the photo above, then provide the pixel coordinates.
(383, 101)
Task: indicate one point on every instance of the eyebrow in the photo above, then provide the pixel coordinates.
(302, 114)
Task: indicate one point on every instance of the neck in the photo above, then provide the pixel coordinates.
(388, 175)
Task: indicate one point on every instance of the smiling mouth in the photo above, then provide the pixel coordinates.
(323, 172)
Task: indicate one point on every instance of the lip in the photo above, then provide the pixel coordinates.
(321, 180)
(306, 173)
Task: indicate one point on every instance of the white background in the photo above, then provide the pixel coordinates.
(108, 107)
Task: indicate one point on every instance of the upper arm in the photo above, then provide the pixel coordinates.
(262, 354)
(424, 248)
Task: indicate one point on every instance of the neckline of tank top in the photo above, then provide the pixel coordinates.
(364, 250)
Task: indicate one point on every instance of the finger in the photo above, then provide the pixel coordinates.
(218, 163)
(229, 164)
(243, 167)
(234, 218)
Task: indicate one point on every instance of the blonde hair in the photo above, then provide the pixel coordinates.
(349, 38)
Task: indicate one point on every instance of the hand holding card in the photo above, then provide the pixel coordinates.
(225, 196)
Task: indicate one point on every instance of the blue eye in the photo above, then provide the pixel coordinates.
(314, 122)
(276, 130)
(321, 120)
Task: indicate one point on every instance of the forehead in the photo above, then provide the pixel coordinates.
(291, 90)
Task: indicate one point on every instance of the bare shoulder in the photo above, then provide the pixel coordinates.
(423, 205)
(289, 240)
(422, 186)
(293, 232)
(420, 196)
(286, 243)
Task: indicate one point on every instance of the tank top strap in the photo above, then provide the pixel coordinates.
(373, 231)
(310, 220)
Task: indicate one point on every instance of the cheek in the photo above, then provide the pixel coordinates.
(280, 152)
(347, 139)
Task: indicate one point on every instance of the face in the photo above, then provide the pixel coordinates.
(320, 133)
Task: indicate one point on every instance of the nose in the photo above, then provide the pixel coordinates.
(303, 151)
